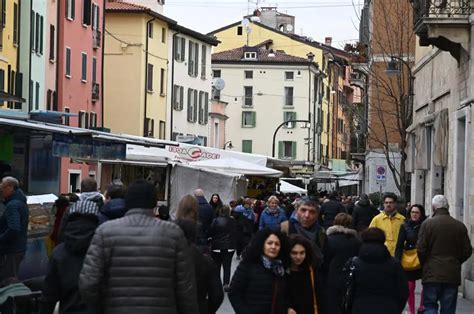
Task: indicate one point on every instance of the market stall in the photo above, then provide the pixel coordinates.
(288, 188)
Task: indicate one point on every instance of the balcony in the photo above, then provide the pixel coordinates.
(444, 24)
(96, 38)
(95, 91)
(357, 79)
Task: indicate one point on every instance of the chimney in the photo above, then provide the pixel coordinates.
(328, 41)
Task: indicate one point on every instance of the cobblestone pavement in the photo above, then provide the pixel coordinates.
(464, 306)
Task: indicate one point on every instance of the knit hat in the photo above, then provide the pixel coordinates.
(141, 194)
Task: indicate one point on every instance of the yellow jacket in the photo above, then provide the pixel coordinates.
(391, 227)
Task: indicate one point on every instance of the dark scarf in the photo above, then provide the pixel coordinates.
(275, 265)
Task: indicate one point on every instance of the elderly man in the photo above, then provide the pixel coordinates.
(390, 221)
(205, 217)
(13, 228)
(443, 245)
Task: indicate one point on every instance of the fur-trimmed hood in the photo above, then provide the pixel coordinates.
(340, 229)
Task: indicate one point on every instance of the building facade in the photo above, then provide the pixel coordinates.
(51, 56)
(190, 85)
(217, 125)
(441, 133)
(263, 89)
(136, 46)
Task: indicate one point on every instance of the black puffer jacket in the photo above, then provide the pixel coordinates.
(253, 288)
(362, 215)
(407, 238)
(343, 243)
(223, 233)
(329, 210)
(62, 280)
(380, 284)
(139, 263)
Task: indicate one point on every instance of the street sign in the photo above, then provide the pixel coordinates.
(380, 173)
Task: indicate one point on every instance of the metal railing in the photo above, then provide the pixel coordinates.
(96, 38)
(440, 9)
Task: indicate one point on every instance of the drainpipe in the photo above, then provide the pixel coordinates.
(30, 105)
(102, 102)
(309, 112)
(173, 55)
(56, 57)
(146, 75)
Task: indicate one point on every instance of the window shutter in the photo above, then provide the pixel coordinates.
(181, 97)
(206, 108)
(86, 120)
(175, 48)
(280, 149)
(201, 108)
(247, 146)
(73, 9)
(243, 119)
(293, 150)
(86, 14)
(190, 60)
(18, 84)
(254, 119)
(190, 106)
(196, 59)
(293, 117)
(183, 48)
(195, 105)
(175, 97)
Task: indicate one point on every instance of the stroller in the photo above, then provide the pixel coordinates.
(20, 297)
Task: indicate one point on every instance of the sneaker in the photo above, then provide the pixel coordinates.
(226, 288)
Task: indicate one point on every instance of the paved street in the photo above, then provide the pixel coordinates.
(464, 306)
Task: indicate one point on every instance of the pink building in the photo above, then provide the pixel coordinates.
(79, 61)
(51, 45)
(216, 124)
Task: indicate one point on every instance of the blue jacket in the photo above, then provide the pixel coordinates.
(272, 221)
(113, 209)
(14, 224)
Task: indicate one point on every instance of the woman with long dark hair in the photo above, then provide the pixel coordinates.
(259, 285)
(304, 285)
(406, 246)
(216, 202)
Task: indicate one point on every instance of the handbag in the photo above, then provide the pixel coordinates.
(410, 260)
(349, 286)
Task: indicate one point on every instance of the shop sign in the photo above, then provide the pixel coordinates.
(192, 153)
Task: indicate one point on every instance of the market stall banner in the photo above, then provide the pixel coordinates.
(87, 148)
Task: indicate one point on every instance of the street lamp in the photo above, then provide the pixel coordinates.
(276, 131)
(230, 146)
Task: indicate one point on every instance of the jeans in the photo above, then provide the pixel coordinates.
(224, 258)
(446, 294)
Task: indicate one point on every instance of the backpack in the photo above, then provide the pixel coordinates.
(349, 286)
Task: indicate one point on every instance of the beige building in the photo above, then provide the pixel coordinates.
(263, 89)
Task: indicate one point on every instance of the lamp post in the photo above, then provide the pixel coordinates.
(230, 145)
(276, 131)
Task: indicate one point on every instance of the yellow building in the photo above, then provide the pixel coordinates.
(10, 79)
(237, 35)
(136, 70)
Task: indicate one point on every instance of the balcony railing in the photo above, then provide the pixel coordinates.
(440, 9)
(96, 38)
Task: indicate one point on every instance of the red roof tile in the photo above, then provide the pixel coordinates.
(121, 5)
(262, 56)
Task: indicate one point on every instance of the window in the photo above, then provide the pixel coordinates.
(248, 119)
(84, 67)
(37, 94)
(149, 78)
(15, 24)
(95, 16)
(163, 35)
(82, 119)
(340, 125)
(162, 130)
(66, 117)
(93, 120)
(162, 82)
(287, 116)
(70, 9)
(193, 59)
(250, 55)
(247, 146)
(86, 12)
(94, 69)
(216, 73)
(248, 96)
(289, 76)
(203, 61)
(178, 97)
(192, 104)
(289, 96)
(287, 149)
(150, 30)
(203, 107)
(52, 39)
(3, 16)
(179, 48)
(239, 30)
(49, 99)
(37, 33)
(31, 94)
(248, 74)
(149, 127)
(68, 62)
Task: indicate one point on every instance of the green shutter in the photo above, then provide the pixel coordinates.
(243, 118)
(280, 149)
(293, 150)
(293, 117)
(247, 146)
(254, 119)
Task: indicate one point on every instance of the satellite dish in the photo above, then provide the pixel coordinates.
(289, 28)
(245, 22)
(218, 83)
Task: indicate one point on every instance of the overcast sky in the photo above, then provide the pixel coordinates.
(314, 18)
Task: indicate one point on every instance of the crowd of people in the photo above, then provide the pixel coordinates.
(297, 255)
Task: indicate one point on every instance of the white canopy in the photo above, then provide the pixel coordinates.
(286, 187)
(238, 166)
(41, 199)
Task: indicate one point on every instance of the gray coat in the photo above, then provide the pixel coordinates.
(443, 245)
(137, 264)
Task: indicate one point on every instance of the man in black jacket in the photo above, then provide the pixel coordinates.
(139, 264)
(330, 209)
(205, 218)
